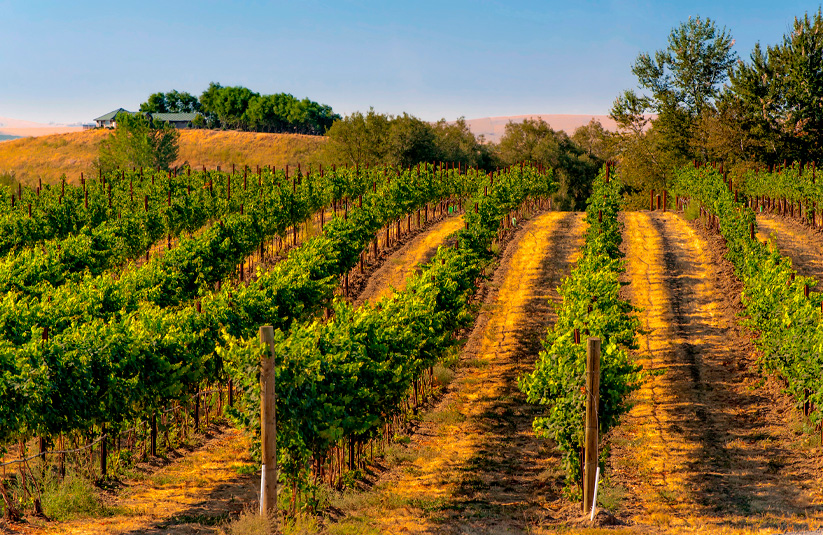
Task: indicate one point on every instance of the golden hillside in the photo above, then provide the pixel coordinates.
(50, 157)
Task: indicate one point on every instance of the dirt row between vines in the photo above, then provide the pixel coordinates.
(195, 491)
(795, 240)
(708, 447)
(474, 465)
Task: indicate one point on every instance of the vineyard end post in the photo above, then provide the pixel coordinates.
(592, 424)
(268, 420)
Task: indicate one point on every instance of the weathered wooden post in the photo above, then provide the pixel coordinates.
(268, 483)
(592, 421)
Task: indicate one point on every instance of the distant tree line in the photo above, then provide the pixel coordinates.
(699, 101)
(373, 138)
(404, 140)
(240, 108)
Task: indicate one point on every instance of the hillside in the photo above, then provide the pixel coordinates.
(493, 128)
(49, 157)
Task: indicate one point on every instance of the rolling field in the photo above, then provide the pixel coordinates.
(50, 157)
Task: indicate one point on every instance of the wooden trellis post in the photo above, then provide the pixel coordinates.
(268, 420)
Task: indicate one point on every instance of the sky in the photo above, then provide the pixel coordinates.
(67, 62)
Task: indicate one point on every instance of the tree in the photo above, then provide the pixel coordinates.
(536, 142)
(172, 102)
(684, 80)
(226, 106)
(780, 93)
(410, 141)
(689, 73)
(359, 139)
(595, 140)
(139, 142)
(456, 144)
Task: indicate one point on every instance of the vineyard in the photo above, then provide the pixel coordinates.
(429, 350)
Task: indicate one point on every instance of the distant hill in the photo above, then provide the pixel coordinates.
(21, 128)
(6, 137)
(492, 128)
(49, 157)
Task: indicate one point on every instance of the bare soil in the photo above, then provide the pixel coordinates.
(709, 446)
(801, 243)
(418, 249)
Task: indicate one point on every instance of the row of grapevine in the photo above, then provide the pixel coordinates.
(279, 202)
(341, 380)
(591, 306)
(778, 304)
(114, 362)
(785, 189)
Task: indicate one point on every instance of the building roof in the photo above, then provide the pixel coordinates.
(112, 114)
(175, 117)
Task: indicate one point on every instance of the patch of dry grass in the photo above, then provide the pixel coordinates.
(50, 157)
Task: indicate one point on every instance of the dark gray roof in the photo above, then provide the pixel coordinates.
(112, 114)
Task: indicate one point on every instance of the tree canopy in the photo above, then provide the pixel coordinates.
(535, 141)
(375, 138)
(172, 102)
(240, 108)
(139, 142)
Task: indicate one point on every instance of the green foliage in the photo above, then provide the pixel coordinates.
(536, 142)
(456, 144)
(375, 138)
(779, 92)
(139, 142)
(172, 102)
(240, 108)
(410, 141)
(687, 75)
(73, 497)
(359, 139)
(342, 379)
(684, 81)
(789, 324)
(591, 303)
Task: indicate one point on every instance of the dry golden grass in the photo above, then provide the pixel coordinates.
(50, 157)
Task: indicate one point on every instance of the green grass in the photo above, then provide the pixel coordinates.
(74, 497)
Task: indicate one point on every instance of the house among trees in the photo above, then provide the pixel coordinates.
(177, 120)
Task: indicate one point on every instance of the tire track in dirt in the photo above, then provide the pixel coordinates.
(474, 464)
(703, 449)
(793, 239)
(393, 273)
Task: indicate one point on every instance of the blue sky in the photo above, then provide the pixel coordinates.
(72, 61)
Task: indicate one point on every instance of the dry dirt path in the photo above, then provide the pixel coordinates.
(795, 240)
(422, 248)
(707, 448)
(191, 494)
(474, 464)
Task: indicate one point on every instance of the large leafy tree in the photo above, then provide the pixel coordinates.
(679, 85)
(687, 75)
(359, 139)
(535, 141)
(172, 102)
(780, 92)
(455, 143)
(225, 107)
(139, 142)
(410, 141)
(680, 82)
